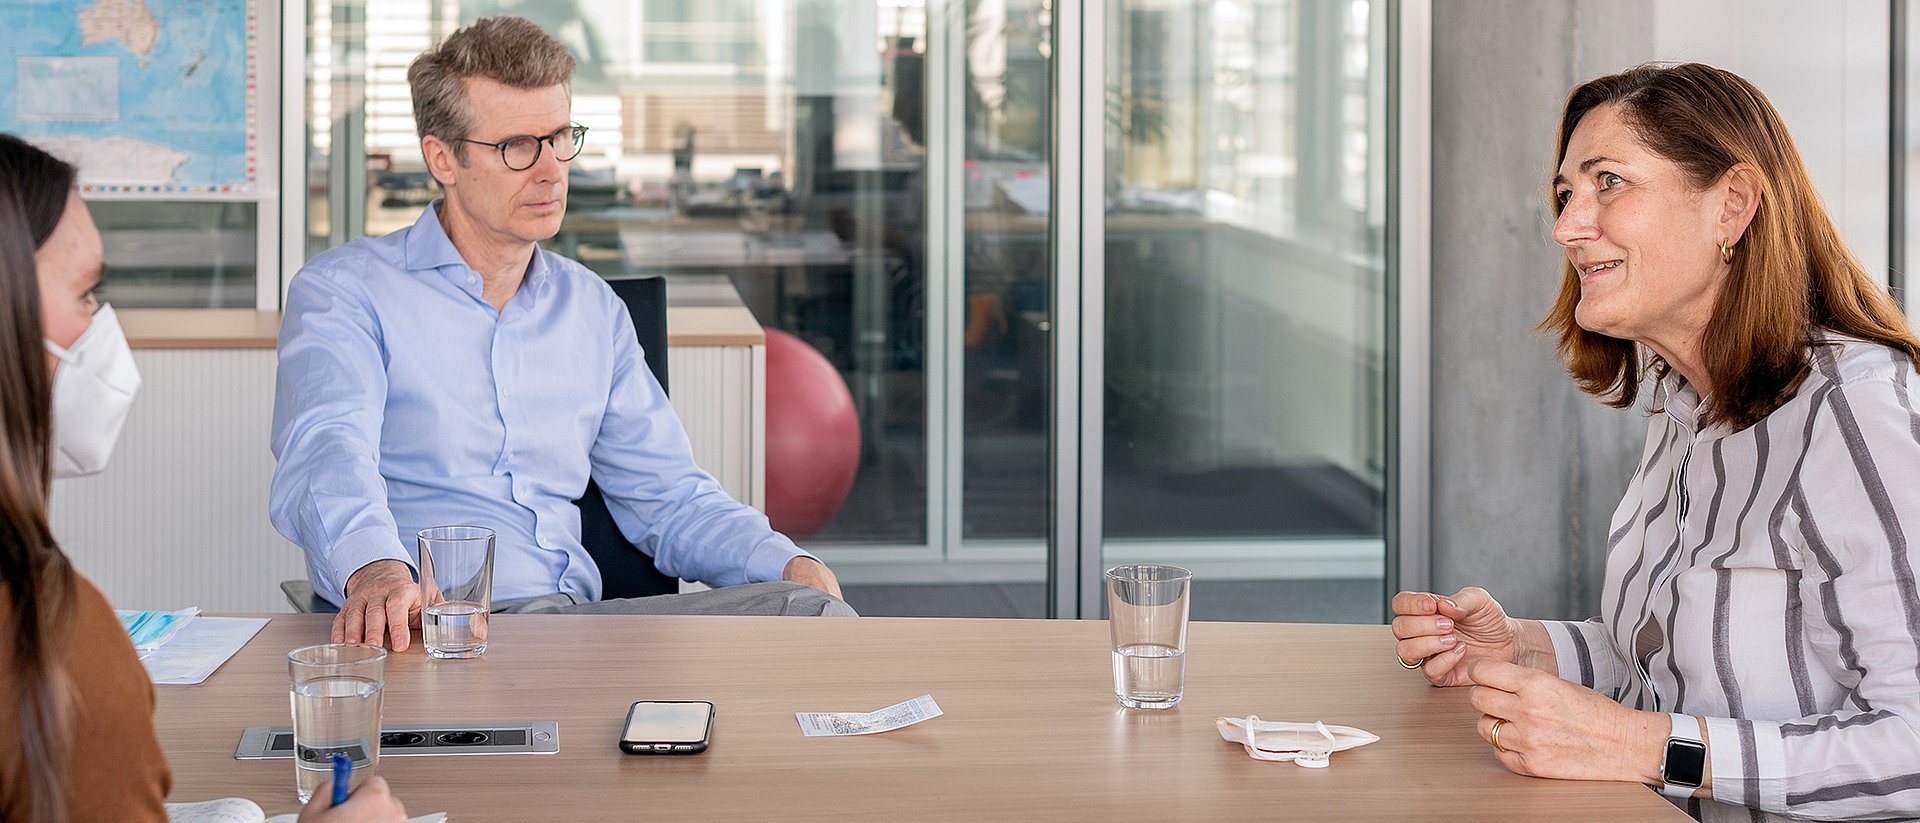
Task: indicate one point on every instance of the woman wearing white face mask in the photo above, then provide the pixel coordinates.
(94, 378)
(76, 710)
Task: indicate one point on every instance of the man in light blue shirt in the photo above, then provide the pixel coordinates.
(454, 372)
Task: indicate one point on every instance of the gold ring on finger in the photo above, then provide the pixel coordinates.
(1494, 733)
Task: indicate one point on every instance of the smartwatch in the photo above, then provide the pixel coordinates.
(1684, 767)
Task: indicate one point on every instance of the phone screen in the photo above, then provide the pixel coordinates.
(667, 722)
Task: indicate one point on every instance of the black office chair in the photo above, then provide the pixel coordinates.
(625, 571)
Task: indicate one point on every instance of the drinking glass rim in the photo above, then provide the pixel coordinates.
(1148, 573)
(447, 534)
(378, 654)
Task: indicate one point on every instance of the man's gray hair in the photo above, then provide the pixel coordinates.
(508, 50)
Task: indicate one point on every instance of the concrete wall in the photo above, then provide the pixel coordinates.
(1527, 471)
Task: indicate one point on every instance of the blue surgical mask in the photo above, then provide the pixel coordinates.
(151, 630)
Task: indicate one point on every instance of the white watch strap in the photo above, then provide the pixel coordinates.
(1685, 727)
(1678, 792)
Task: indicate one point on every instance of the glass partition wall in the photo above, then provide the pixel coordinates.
(877, 178)
(1245, 285)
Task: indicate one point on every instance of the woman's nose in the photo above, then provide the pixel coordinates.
(1575, 224)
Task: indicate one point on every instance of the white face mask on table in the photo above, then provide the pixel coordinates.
(1310, 745)
(93, 390)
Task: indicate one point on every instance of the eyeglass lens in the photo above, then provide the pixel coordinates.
(522, 152)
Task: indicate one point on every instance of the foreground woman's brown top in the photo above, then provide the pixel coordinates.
(117, 772)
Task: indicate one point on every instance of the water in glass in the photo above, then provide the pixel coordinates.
(334, 714)
(1148, 675)
(456, 628)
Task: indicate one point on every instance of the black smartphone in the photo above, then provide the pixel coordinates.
(668, 727)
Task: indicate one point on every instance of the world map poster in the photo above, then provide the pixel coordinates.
(147, 97)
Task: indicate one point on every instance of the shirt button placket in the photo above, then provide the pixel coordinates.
(500, 375)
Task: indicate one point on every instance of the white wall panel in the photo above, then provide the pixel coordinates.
(179, 518)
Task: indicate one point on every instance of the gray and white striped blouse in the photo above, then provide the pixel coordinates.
(1765, 579)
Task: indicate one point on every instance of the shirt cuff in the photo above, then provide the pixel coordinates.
(352, 553)
(768, 563)
(1749, 762)
(1582, 652)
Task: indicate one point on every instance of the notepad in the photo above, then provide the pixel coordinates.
(242, 810)
(199, 649)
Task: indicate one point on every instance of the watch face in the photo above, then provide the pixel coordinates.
(1686, 760)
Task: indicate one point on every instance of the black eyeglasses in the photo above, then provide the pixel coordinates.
(521, 152)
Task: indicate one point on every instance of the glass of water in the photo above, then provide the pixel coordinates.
(456, 582)
(336, 692)
(1147, 610)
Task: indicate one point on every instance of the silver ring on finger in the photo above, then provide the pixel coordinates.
(1414, 665)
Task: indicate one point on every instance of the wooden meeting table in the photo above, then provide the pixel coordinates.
(1030, 730)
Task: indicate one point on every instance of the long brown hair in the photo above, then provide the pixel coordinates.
(1792, 275)
(39, 582)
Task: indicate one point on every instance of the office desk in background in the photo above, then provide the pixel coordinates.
(764, 267)
(728, 248)
(1030, 729)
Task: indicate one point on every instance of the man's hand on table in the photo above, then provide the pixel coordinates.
(810, 572)
(381, 599)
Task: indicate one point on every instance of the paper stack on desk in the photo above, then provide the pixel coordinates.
(189, 656)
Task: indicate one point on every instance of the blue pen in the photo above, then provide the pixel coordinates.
(342, 770)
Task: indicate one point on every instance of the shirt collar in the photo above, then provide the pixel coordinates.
(429, 248)
(1681, 402)
(537, 270)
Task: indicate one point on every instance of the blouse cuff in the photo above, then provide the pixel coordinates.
(1584, 655)
(1749, 762)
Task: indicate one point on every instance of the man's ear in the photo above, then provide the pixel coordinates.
(440, 157)
(1740, 201)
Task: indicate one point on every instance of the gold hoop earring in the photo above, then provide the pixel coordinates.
(1726, 252)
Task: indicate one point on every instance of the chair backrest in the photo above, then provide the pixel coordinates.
(625, 571)
(646, 299)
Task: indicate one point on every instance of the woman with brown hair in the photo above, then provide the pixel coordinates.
(76, 709)
(1757, 653)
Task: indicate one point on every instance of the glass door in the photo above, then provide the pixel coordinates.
(948, 516)
(1245, 314)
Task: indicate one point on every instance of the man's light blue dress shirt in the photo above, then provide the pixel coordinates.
(406, 401)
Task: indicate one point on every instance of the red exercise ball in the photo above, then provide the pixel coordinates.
(813, 437)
